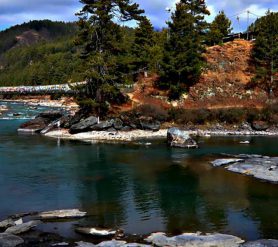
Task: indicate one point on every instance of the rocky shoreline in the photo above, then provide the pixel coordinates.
(19, 230)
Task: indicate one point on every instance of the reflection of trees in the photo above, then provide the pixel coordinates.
(101, 185)
(263, 207)
(178, 198)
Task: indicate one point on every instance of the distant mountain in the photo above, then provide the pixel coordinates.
(33, 32)
(39, 52)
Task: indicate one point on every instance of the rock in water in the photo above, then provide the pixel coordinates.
(179, 138)
(62, 214)
(10, 240)
(84, 125)
(222, 162)
(7, 223)
(23, 227)
(194, 239)
(97, 232)
(262, 243)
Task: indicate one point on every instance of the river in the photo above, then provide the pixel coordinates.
(139, 188)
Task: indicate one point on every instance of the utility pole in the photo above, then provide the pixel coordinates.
(248, 17)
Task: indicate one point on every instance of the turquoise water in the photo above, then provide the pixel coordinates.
(139, 188)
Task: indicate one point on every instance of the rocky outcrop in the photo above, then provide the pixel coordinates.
(10, 222)
(83, 125)
(40, 122)
(181, 139)
(194, 239)
(260, 167)
(62, 214)
(149, 124)
(260, 125)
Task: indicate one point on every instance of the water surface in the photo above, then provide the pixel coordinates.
(139, 188)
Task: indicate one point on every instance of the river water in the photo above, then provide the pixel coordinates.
(139, 188)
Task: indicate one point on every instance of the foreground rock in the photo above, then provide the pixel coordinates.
(260, 167)
(194, 239)
(24, 227)
(179, 138)
(262, 243)
(10, 240)
(62, 214)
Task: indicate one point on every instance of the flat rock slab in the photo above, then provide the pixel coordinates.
(25, 227)
(262, 243)
(97, 232)
(10, 240)
(62, 214)
(112, 243)
(194, 240)
(260, 167)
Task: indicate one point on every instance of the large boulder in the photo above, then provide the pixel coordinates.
(118, 124)
(260, 125)
(83, 125)
(35, 125)
(103, 125)
(179, 138)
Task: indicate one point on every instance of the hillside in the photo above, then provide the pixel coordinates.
(39, 52)
(222, 84)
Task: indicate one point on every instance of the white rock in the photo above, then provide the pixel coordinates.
(62, 214)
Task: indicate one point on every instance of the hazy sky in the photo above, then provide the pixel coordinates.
(18, 11)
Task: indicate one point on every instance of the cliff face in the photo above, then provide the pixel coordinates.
(222, 84)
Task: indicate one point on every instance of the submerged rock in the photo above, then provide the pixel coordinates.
(194, 239)
(62, 214)
(10, 240)
(262, 243)
(83, 125)
(96, 232)
(179, 138)
(24, 227)
(260, 167)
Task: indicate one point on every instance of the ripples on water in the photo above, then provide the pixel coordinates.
(139, 188)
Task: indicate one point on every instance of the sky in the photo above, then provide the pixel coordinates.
(18, 11)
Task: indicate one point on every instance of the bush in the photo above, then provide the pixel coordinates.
(153, 111)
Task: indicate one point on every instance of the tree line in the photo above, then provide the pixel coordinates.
(106, 53)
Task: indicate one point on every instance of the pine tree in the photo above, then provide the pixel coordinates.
(265, 52)
(143, 43)
(219, 28)
(183, 60)
(100, 37)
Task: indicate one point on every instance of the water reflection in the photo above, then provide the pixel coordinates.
(141, 189)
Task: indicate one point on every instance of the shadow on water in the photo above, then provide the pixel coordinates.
(140, 189)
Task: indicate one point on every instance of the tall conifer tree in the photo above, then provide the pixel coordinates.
(219, 28)
(183, 60)
(100, 38)
(265, 52)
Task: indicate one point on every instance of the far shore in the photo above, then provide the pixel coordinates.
(143, 135)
